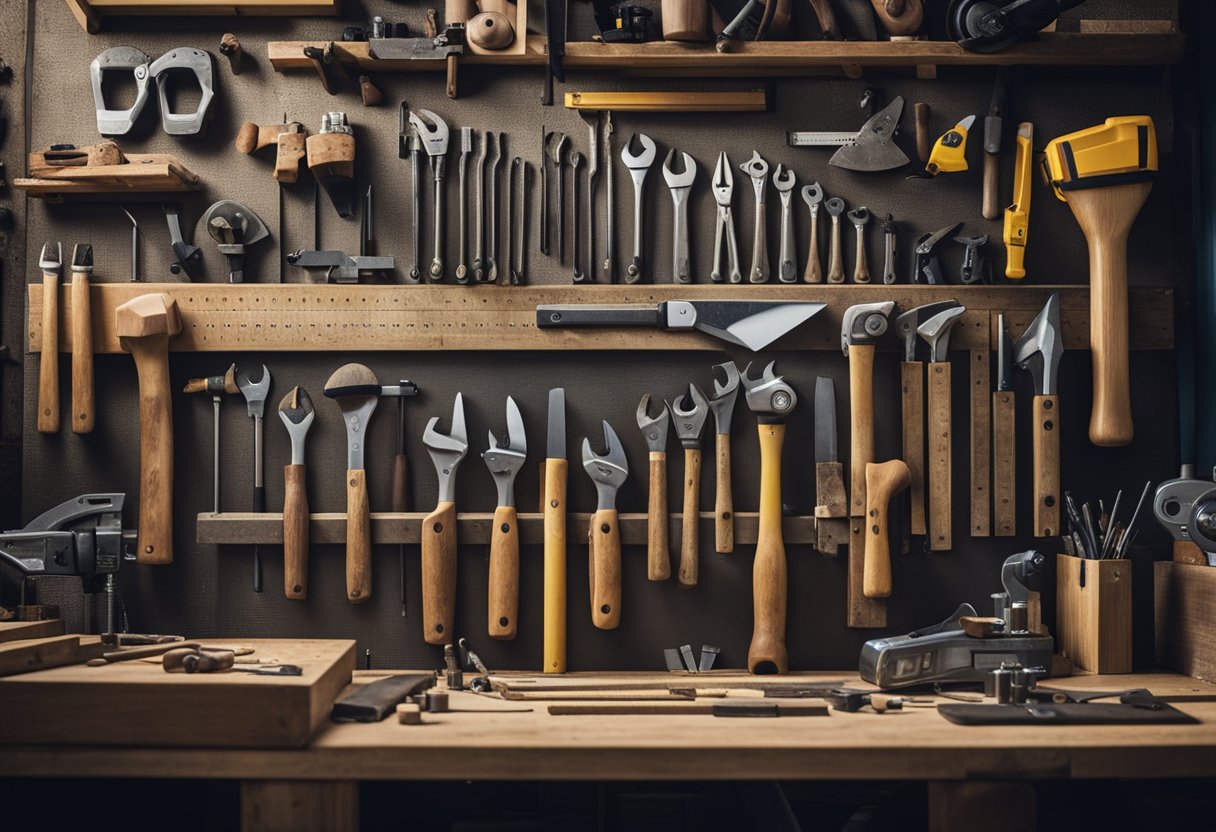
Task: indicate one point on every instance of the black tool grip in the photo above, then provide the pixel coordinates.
(589, 315)
(259, 506)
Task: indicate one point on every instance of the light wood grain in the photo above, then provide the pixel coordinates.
(690, 538)
(981, 444)
(835, 253)
(503, 600)
(883, 481)
(861, 433)
(1185, 625)
(861, 612)
(83, 407)
(30, 654)
(940, 464)
(358, 538)
(724, 504)
(912, 420)
(767, 652)
(1004, 463)
(685, 20)
(138, 176)
(554, 509)
(1045, 436)
(439, 574)
(1094, 613)
(604, 544)
(19, 630)
(658, 556)
(295, 533)
(303, 805)
(48, 367)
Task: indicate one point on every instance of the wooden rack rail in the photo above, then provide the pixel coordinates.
(221, 317)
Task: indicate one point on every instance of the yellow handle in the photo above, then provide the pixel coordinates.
(504, 573)
(767, 653)
(555, 566)
(439, 574)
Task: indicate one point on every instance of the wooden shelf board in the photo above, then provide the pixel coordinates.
(222, 317)
(88, 13)
(474, 528)
(143, 173)
(289, 54)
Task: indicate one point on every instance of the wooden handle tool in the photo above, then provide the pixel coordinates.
(883, 481)
(439, 574)
(861, 439)
(835, 207)
(554, 509)
(144, 326)
(504, 574)
(295, 533)
(358, 537)
(604, 545)
(658, 555)
(724, 503)
(83, 409)
(912, 416)
(690, 538)
(356, 390)
(940, 438)
(48, 365)
(1046, 442)
(767, 652)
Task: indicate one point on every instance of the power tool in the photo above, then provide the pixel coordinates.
(992, 25)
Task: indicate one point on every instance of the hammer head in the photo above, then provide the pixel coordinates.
(151, 314)
(865, 323)
(1040, 347)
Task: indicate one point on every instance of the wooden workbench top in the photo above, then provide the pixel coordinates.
(513, 745)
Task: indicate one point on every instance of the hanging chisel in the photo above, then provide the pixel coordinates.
(993, 124)
(48, 365)
(1004, 438)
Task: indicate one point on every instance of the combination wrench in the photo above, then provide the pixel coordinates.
(559, 156)
(638, 165)
(783, 181)
(861, 270)
(680, 185)
(757, 169)
(812, 195)
(593, 167)
(576, 161)
(835, 207)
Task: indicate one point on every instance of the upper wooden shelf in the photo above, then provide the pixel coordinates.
(89, 13)
(223, 317)
(788, 57)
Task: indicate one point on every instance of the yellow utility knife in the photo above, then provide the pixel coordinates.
(949, 154)
(1017, 215)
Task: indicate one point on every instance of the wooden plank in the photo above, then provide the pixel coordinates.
(137, 703)
(103, 8)
(785, 707)
(474, 528)
(134, 178)
(303, 805)
(981, 447)
(1129, 27)
(289, 54)
(302, 317)
(1185, 613)
(25, 656)
(18, 630)
(861, 612)
(1094, 613)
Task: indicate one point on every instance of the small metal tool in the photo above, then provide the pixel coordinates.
(724, 229)
(889, 242)
(812, 195)
(134, 244)
(860, 217)
(492, 212)
(517, 216)
(466, 147)
(680, 185)
(609, 265)
(835, 207)
(638, 165)
(432, 132)
(576, 161)
(480, 267)
(757, 169)
(559, 158)
(783, 181)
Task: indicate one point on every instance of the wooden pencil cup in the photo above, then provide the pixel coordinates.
(1094, 613)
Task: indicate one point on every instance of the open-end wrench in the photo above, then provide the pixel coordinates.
(757, 169)
(559, 158)
(439, 529)
(689, 425)
(783, 181)
(861, 270)
(492, 213)
(609, 266)
(724, 232)
(889, 229)
(608, 472)
(544, 191)
(466, 147)
(654, 428)
(433, 134)
(835, 207)
(296, 412)
(812, 195)
(593, 167)
(254, 384)
(576, 161)
(479, 213)
(680, 185)
(504, 458)
(517, 212)
(638, 165)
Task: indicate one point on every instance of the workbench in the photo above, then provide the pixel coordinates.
(970, 766)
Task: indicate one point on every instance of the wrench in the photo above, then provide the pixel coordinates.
(479, 217)
(544, 191)
(757, 169)
(724, 189)
(812, 195)
(835, 207)
(466, 147)
(861, 270)
(576, 160)
(609, 193)
(783, 181)
(559, 156)
(517, 213)
(433, 134)
(492, 214)
(638, 165)
(409, 145)
(889, 229)
(680, 185)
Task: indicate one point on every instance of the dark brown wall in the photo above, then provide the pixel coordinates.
(206, 590)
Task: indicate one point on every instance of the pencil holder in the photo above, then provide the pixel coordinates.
(1094, 613)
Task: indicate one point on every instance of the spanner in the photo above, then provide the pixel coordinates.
(544, 191)
(466, 147)
(610, 197)
(576, 161)
(433, 134)
(680, 185)
(889, 229)
(479, 215)
(638, 165)
(411, 146)
(608, 472)
(812, 195)
(724, 189)
(492, 214)
(783, 181)
(861, 270)
(757, 169)
(835, 207)
(559, 157)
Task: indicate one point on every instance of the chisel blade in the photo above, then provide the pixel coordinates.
(556, 447)
(825, 420)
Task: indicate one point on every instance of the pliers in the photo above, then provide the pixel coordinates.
(724, 188)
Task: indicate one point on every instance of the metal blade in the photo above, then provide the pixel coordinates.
(516, 436)
(875, 148)
(751, 324)
(825, 420)
(556, 448)
(1004, 357)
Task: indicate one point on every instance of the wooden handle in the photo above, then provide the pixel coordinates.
(295, 533)
(1105, 215)
(450, 85)
(690, 525)
(48, 365)
(504, 573)
(151, 356)
(991, 203)
(940, 490)
(457, 11)
(1046, 438)
(924, 140)
(604, 545)
(358, 538)
(861, 269)
(399, 498)
(883, 481)
(827, 19)
(439, 574)
(1185, 551)
(685, 20)
(658, 557)
(253, 137)
(1004, 463)
(724, 502)
(83, 409)
(899, 17)
(861, 438)
(912, 414)
(767, 653)
(555, 565)
(814, 270)
(835, 256)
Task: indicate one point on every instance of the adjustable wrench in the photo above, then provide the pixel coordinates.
(638, 165)
(861, 270)
(724, 232)
(757, 169)
(609, 195)
(492, 213)
(654, 428)
(576, 161)
(783, 181)
(559, 156)
(439, 529)
(479, 216)
(680, 185)
(466, 147)
(433, 135)
(722, 405)
(689, 425)
(608, 472)
(835, 207)
(812, 195)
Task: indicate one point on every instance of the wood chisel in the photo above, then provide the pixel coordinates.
(51, 264)
(554, 509)
(83, 411)
(1004, 438)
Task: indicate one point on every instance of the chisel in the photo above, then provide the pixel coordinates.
(554, 510)
(48, 366)
(83, 411)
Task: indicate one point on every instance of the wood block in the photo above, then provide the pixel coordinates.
(137, 704)
(17, 630)
(1094, 613)
(862, 612)
(26, 656)
(1185, 604)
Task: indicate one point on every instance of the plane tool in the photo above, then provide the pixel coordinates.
(608, 472)
(722, 405)
(772, 400)
(689, 424)
(1038, 351)
(439, 529)
(504, 458)
(654, 428)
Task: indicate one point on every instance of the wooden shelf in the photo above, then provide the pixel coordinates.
(146, 173)
(89, 13)
(306, 317)
(289, 54)
(242, 528)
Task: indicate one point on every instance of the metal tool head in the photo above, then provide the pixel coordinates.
(357, 391)
(749, 323)
(756, 168)
(865, 323)
(936, 332)
(859, 216)
(812, 195)
(466, 140)
(908, 322)
(874, 149)
(768, 395)
(608, 471)
(555, 445)
(119, 59)
(506, 456)
(240, 225)
(297, 415)
(972, 242)
(177, 62)
(679, 180)
(825, 420)
(1174, 501)
(689, 423)
(724, 180)
(82, 258)
(1004, 355)
(723, 403)
(52, 257)
(559, 148)
(448, 449)
(654, 428)
(576, 159)
(834, 206)
(431, 130)
(639, 161)
(254, 384)
(784, 179)
(1040, 347)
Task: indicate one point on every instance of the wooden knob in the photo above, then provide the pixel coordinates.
(491, 30)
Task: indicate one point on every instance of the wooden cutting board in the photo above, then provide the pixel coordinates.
(135, 703)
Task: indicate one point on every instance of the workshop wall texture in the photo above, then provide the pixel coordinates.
(206, 591)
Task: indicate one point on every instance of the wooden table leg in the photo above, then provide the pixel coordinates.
(994, 806)
(299, 806)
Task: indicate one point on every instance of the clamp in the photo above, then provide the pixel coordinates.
(192, 60)
(119, 59)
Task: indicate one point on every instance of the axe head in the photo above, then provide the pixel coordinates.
(1040, 347)
(875, 148)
